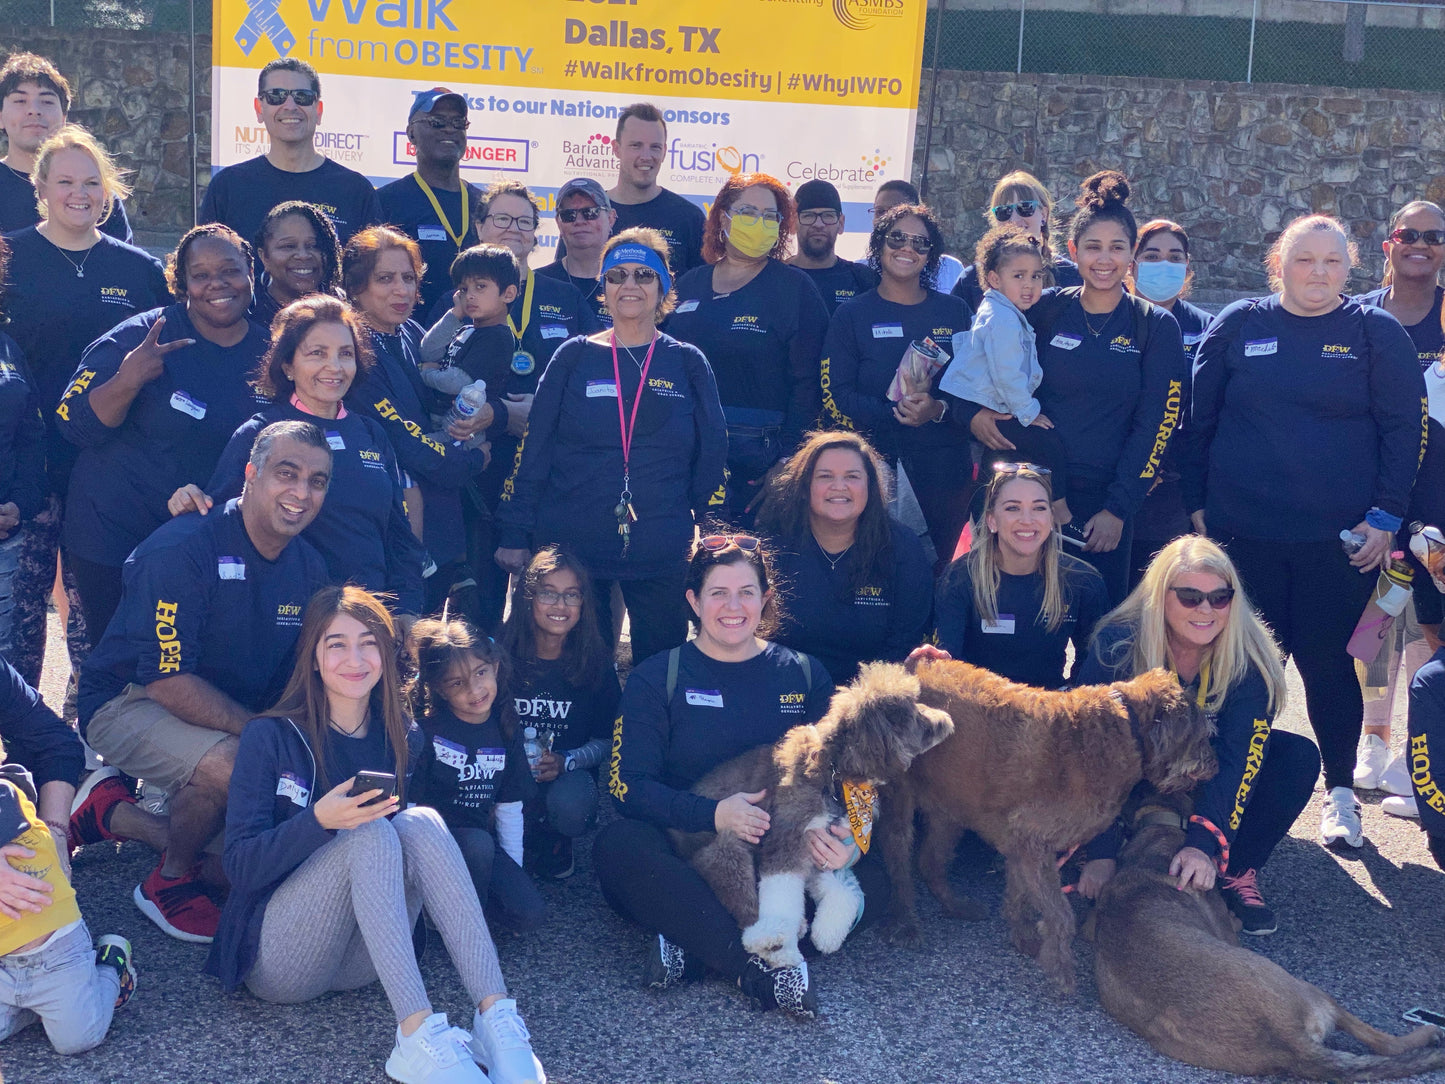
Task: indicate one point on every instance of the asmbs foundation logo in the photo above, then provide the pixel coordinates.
(861, 14)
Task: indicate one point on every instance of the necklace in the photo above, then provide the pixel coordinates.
(79, 267)
(19, 173)
(832, 561)
(628, 350)
(1090, 326)
(341, 730)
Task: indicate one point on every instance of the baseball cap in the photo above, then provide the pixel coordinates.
(817, 196)
(427, 100)
(584, 186)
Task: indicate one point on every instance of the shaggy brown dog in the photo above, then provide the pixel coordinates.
(1034, 773)
(1170, 967)
(873, 730)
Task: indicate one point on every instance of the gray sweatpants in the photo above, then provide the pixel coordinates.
(344, 917)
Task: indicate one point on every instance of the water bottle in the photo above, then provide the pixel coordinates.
(534, 745)
(1428, 546)
(468, 401)
(1352, 543)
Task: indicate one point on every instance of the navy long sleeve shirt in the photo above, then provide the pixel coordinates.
(34, 735)
(22, 434)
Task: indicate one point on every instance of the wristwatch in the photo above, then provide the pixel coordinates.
(570, 764)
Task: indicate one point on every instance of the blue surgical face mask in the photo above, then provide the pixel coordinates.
(1161, 281)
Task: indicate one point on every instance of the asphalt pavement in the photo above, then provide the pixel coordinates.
(1367, 926)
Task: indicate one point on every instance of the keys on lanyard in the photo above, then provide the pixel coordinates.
(626, 517)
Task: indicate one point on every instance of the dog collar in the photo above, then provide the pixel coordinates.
(1158, 815)
(1135, 727)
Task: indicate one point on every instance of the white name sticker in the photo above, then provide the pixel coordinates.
(888, 331)
(430, 233)
(1257, 347)
(1066, 342)
(187, 405)
(1004, 626)
(230, 568)
(449, 753)
(333, 438)
(1193, 340)
(704, 698)
(601, 389)
(554, 331)
(290, 786)
(688, 306)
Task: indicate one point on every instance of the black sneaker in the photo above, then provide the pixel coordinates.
(785, 988)
(1242, 896)
(664, 965)
(555, 860)
(112, 950)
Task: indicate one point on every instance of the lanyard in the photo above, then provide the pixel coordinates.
(527, 315)
(455, 235)
(623, 423)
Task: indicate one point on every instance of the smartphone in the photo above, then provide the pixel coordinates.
(365, 781)
(1424, 1016)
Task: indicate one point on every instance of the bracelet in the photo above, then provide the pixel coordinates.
(58, 826)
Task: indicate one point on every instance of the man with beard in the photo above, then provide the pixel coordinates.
(820, 223)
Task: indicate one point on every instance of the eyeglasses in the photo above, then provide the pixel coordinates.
(460, 124)
(1191, 597)
(587, 214)
(643, 276)
(1026, 208)
(505, 222)
(812, 218)
(751, 216)
(1020, 468)
(278, 96)
(1433, 238)
(715, 542)
(570, 598)
(898, 239)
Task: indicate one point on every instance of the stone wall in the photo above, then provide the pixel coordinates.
(131, 89)
(1232, 163)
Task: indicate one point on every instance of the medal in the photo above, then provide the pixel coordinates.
(523, 363)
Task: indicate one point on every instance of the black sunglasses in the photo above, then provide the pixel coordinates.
(587, 214)
(1026, 208)
(715, 542)
(1406, 236)
(460, 124)
(898, 239)
(278, 96)
(1191, 597)
(643, 276)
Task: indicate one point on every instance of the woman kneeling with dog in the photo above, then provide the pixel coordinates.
(1190, 614)
(684, 712)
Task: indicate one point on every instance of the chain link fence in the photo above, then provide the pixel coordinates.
(174, 15)
(1322, 42)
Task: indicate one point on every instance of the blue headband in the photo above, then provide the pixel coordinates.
(639, 254)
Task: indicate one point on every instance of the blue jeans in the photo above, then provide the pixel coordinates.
(61, 986)
(9, 566)
(504, 888)
(570, 801)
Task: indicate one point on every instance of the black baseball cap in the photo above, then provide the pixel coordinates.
(818, 196)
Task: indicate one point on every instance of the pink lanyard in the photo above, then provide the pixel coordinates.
(624, 425)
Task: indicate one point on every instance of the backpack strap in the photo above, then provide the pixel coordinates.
(673, 658)
(1143, 308)
(807, 665)
(1048, 311)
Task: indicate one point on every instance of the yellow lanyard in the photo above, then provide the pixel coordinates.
(526, 308)
(441, 215)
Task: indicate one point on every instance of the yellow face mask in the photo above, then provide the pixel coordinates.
(753, 237)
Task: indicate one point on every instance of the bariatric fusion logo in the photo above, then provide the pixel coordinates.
(704, 159)
(860, 14)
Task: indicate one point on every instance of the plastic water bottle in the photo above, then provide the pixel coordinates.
(1352, 543)
(468, 401)
(535, 745)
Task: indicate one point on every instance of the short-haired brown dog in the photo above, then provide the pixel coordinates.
(1034, 773)
(871, 733)
(1169, 967)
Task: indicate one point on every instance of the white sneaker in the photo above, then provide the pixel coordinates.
(1395, 779)
(1401, 806)
(433, 1054)
(502, 1043)
(1340, 822)
(1370, 762)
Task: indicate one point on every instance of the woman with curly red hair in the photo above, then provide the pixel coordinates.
(760, 324)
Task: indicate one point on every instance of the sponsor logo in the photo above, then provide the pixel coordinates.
(710, 159)
(861, 14)
(870, 168)
(1337, 352)
(490, 153)
(538, 708)
(592, 155)
(1122, 344)
(167, 639)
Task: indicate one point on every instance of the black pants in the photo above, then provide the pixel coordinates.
(1086, 500)
(657, 608)
(491, 579)
(99, 587)
(645, 881)
(942, 480)
(1312, 597)
(1281, 791)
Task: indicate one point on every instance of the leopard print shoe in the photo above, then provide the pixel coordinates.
(785, 988)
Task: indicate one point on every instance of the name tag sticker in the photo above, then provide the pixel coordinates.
(1193, 340)
(230, 568)
(1257, 347)
(554, 331)
(1004, 626)
(689, 305)
(333, 438)
(449, 753)
(290, 786)
(704, 698)
(430, 233)
(1066, 342)
(187, 405)
(601, 389)
(888, 331)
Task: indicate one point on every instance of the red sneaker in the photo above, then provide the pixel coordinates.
(178, 905)
(90, 811)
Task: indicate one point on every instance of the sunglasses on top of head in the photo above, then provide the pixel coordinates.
(715, 542)
(1026, 208)
(1191, 597)
(278, 96)
(1406, 236)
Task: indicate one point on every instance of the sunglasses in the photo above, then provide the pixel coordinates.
(643, 276)
(1405, 236)
(1026, 208)
(278, 96)
(1191, 597)
(506, 222)
(715, 542)
(460, 124)
(586, 214)
(812, 218)
(547, 597)
(1020, 468)
(897, 239)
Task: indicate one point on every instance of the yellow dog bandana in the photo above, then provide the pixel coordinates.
(861, 802)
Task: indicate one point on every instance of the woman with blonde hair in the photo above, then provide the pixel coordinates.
(1306, 426)
(1020, 199)
(1190, 615)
